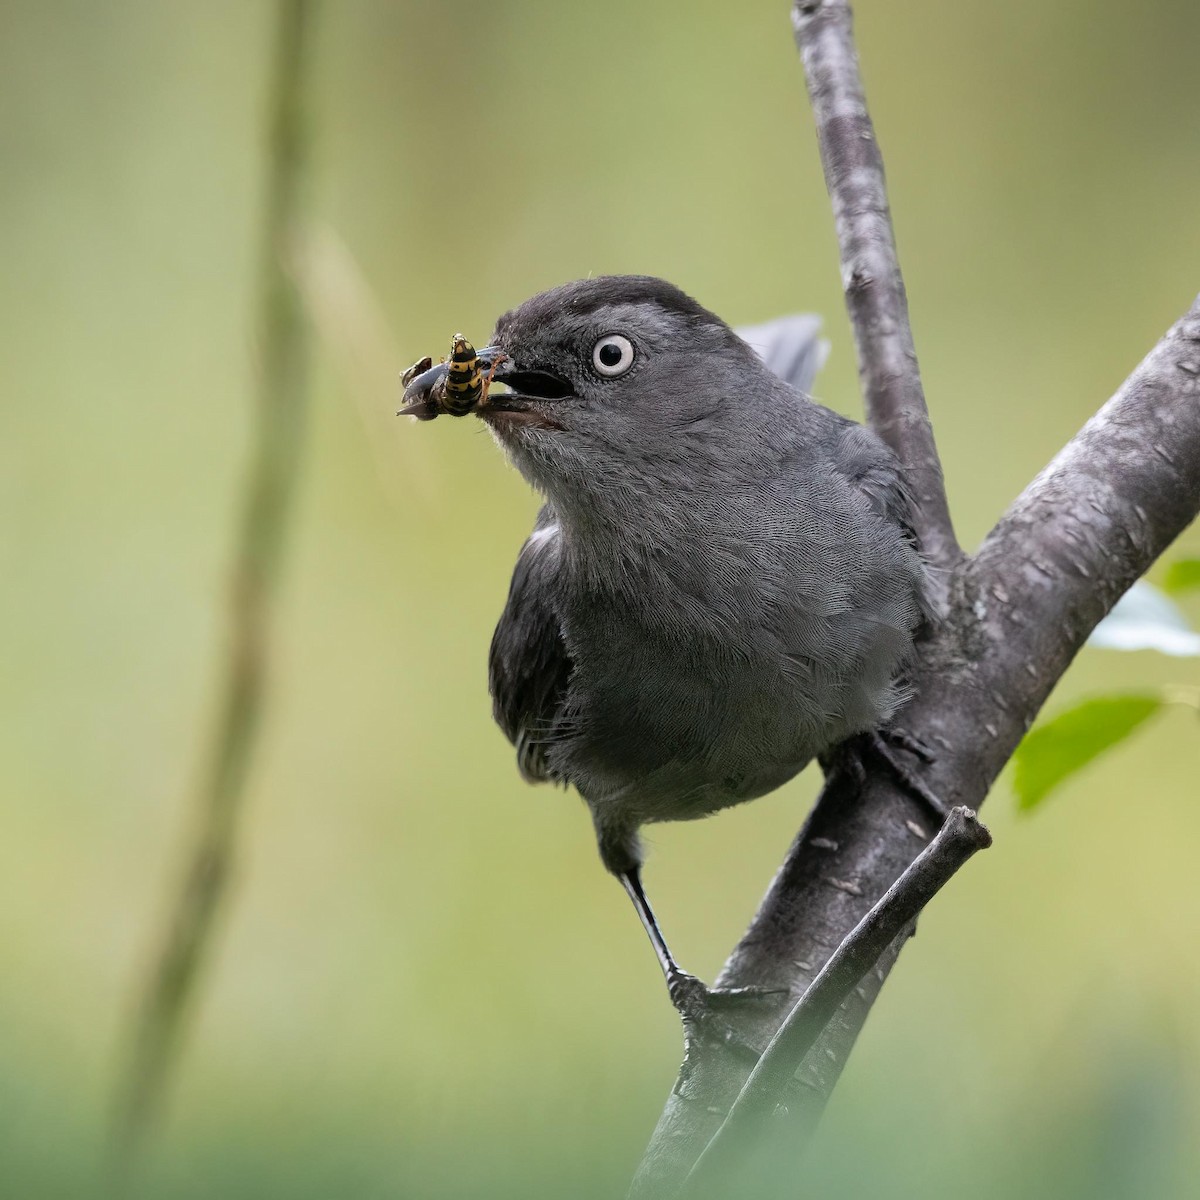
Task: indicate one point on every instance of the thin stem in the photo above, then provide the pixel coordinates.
(168, 993)
(871, 278)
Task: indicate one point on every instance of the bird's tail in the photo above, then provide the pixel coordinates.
(791, 346)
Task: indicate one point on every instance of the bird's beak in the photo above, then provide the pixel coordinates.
(419, 381)
(528, 395)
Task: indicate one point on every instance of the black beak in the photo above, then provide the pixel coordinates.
(524, 381)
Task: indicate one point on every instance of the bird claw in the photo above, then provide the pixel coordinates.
(701, 1007)
(915, 746)
(848, 756)
(882, 742)
(733, 997)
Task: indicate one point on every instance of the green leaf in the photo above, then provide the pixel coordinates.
(1056, 750)
(1183, 575)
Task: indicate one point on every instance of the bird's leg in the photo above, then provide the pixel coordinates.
(692, 999)
(674, 975)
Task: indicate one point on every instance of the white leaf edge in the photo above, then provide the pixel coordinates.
(1145, 618)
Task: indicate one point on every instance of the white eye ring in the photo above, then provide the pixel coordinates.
(612, 355)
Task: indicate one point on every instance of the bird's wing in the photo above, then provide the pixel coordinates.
(876, 473)
(867, 463)
(529, 667)
(791, 347)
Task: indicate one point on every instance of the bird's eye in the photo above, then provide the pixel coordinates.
(612, 355)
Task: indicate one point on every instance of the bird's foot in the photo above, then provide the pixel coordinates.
(704, 1010)
(903, 740)
(884, 743)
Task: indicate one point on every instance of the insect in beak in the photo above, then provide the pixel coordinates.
(456, 386)
(460, 385)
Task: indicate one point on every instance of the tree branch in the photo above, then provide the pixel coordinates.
(1014, 617)
(1089, 525)
(871, 278)
(733, 1145)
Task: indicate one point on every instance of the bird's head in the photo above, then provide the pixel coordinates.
(608, 380)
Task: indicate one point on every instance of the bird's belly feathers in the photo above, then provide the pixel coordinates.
(705, 679)
(682, 731)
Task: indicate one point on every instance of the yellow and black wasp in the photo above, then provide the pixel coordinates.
(456, 386)
(464, 386)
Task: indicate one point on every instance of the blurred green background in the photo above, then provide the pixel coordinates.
(425, 985)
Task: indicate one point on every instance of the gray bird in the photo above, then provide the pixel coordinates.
(723, 583)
